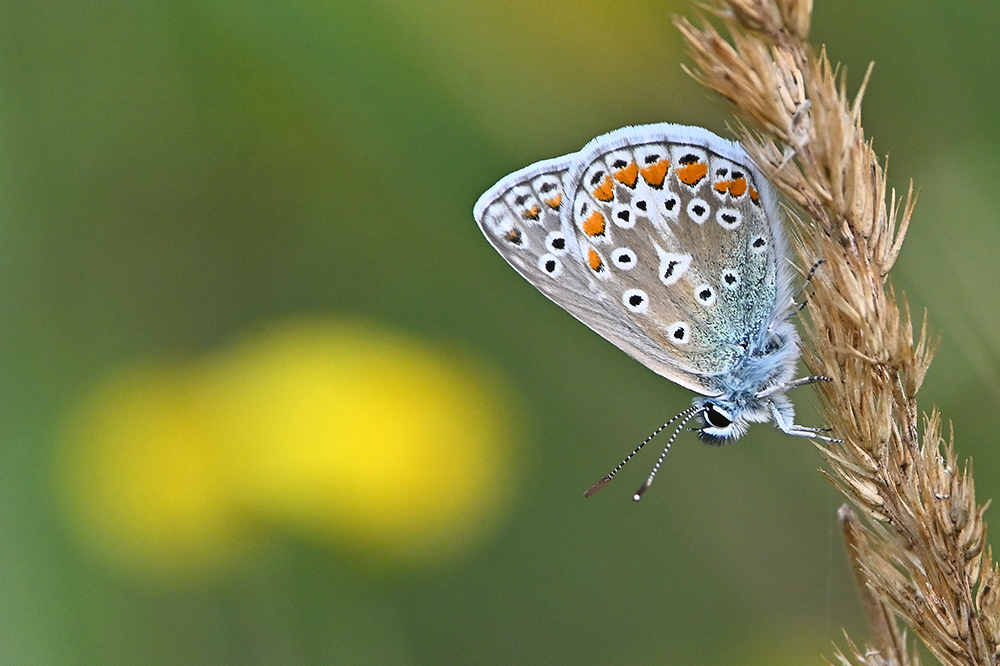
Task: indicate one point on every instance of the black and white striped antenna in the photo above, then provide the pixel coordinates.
(685, 416)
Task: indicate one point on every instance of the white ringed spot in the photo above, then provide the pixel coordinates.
(698, 210)
(551, 265)
(623, 258)
(705, 295)
(635, 300)
(555, 242)
(679, 333)
(728, 218)
(623, 217)
(671, 206)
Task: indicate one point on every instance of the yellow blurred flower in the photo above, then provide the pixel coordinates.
(339, 431)
(144, 475)
(363, 435)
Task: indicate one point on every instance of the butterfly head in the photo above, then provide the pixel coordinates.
(725, 419)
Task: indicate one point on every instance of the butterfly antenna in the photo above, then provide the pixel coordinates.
(686, 415)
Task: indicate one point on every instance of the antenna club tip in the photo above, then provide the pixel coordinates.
(597, 486)
(642, 491)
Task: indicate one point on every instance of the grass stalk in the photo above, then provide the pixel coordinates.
(917, 539)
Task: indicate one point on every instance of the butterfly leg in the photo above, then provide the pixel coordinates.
(798, 133)
(798, 430)
(805, 285)
(788, 386)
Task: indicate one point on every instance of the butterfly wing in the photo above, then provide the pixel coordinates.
(664, 239)
(681, 233)
(521, 218)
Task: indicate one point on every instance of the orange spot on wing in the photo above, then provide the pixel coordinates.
(738, 187)
(655, 173)
(532, 213)
(594, 260)
(555, 201)
(606, 190)
(513, 236)
(691, 174)
(753, 195)
(594, 225)
(628, 175)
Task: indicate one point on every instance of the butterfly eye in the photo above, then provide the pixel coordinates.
(716, 418)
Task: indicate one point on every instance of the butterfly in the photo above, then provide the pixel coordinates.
(665, 240)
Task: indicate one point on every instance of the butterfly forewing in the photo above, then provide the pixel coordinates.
(520, 217)
(673, 223)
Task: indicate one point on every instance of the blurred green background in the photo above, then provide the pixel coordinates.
(219, 218)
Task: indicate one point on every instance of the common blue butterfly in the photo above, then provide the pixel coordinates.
(667, 241)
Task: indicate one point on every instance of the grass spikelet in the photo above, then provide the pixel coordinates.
(917, 542)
